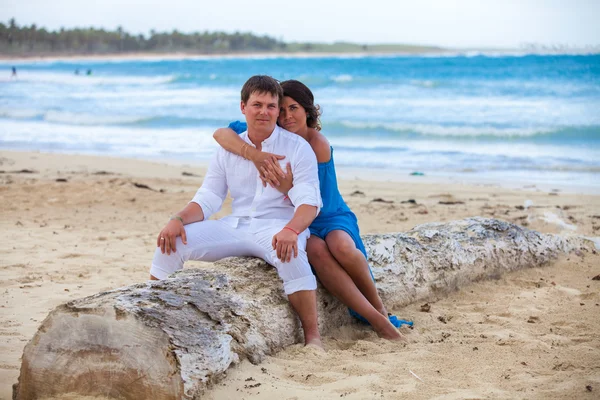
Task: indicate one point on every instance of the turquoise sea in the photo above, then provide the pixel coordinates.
(514, 117)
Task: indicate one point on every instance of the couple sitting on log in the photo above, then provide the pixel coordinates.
(291, 217)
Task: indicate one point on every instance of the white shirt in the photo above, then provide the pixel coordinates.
(250, 198)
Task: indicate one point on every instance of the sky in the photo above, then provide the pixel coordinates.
(446, 23)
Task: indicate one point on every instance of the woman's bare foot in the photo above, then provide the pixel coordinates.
(386, 330)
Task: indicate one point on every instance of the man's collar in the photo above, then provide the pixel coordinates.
(273, 135)
(268, 140)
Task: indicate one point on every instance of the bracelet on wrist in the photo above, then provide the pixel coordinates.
(177, 217)
(245, 149)
(249, 153)
(293, 230)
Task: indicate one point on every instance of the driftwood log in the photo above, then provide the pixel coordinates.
(172, 339)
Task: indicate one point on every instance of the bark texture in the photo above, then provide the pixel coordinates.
(172, 339)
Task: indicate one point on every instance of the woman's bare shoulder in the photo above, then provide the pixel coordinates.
(320, 146)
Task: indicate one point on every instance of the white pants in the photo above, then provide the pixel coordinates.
(229, 237)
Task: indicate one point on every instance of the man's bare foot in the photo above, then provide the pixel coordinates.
(315, 341)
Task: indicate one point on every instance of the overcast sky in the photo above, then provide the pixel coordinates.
(448, 23)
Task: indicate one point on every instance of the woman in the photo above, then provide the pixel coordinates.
(335, 249)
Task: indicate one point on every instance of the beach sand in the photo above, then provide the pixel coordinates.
(76, 225)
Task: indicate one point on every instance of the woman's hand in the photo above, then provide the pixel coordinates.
(274, 176)
(271, 161)
(168, 236)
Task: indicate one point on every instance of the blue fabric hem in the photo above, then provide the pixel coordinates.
(238, 127)
(393, 319)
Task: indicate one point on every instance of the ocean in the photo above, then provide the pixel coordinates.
(528, 118)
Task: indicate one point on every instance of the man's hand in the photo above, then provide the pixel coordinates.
(286, 244)
(168, 236)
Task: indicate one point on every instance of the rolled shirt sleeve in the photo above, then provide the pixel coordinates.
(306, 178)
(213, 191)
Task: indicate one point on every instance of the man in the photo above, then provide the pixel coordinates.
(264, 223)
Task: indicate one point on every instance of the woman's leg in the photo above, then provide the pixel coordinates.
(340, 284)
(342, 247)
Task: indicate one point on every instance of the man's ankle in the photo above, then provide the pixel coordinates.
(313, 341)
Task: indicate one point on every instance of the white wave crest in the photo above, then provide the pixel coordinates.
(344, 78)
(90, 80)
(19, 113)
(424, 83)
(89, 119)
(424, 149)
(167, 96)
(108, 139)
(450, 131)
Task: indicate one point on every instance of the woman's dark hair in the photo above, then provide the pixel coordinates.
(302, 94)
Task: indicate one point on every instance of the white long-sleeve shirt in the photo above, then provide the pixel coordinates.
(228, 171)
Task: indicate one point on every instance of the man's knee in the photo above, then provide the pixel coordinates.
(307, 282)
(164, 264)
(296, 274)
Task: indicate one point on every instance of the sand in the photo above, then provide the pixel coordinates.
(76, 225)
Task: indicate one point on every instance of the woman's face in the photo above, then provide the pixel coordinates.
(292, 116)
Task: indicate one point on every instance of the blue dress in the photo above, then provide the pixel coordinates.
(335, 214)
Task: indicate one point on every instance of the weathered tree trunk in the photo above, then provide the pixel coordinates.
(171, 339)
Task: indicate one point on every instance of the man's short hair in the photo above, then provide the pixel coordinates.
(262, 84)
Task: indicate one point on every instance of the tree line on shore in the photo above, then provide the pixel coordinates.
(22, 40)
(32, 40)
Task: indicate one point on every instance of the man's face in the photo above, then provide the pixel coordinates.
(261, 111)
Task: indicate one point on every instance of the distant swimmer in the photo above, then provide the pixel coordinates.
(77, 71)
(89, 72)
(14, 72)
